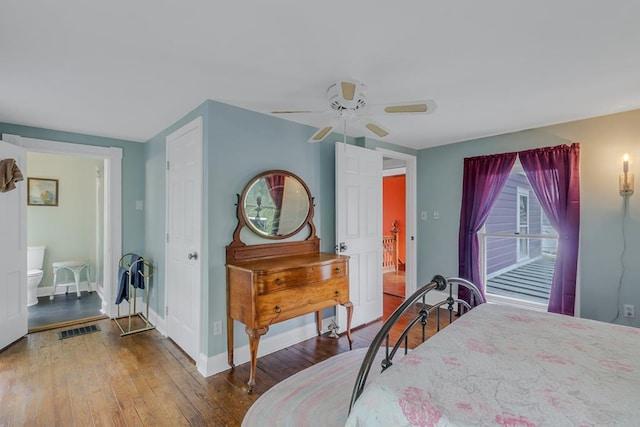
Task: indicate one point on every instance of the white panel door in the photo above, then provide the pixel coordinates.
(13, 252)
(184, 231)
(359, 229)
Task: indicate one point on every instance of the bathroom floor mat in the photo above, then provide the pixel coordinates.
(78, 331)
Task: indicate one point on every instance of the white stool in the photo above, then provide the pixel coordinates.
(76, 267)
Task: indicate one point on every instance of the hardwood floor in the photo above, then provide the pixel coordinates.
(393, 283)
(142, 379)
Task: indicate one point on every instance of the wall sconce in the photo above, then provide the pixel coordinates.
(625, 181)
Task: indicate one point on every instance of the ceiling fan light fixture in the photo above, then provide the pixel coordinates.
(347, 96)
(320, 134)
(377, 129)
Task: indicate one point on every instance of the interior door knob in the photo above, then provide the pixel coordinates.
(343, 246)
(193, 255)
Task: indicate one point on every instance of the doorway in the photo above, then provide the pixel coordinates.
(394, 234)
(399, 277)
(65, 240)
(108, 246)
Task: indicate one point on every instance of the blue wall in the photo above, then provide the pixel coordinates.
(133, 156)
(239, 144)
(603, 141)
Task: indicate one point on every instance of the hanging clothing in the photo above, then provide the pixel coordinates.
(123, 285)
(137, 271)
(9, 174)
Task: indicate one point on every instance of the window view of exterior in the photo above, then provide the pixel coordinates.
(518, 259)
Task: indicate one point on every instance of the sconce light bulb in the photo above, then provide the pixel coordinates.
(625, 163)
(625, 157)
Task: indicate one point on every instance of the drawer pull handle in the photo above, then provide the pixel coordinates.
(278, 281)
(337, 269)
(277, 309)
(337, 293)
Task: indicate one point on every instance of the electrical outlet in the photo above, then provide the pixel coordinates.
(217, 327)
(629, 311)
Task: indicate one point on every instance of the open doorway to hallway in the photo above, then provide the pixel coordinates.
(394, 233)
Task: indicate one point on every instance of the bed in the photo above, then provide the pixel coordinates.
(500, 365)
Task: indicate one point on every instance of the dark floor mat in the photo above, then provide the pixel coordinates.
(78, 331)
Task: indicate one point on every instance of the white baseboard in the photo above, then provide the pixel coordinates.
(159, 322)
(208, 366)
(141, 307)
(61, 288)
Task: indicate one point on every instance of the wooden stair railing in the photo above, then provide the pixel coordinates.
(390, 250)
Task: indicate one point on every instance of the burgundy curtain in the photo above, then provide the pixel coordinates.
(275, 184)
(554, 176)
(482, 181)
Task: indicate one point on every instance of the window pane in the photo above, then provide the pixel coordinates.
(530, 280)
(524, 210)
(519, 268)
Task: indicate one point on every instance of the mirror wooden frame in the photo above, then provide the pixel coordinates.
(245, 196)
(237, 250)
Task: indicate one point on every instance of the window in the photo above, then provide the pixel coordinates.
(518, 246)
(555, 176)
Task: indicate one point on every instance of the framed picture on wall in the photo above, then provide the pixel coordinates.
(42, 192)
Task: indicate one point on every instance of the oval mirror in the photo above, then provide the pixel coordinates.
(276, 204)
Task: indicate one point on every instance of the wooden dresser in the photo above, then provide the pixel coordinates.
(273, 282)
(264, 291)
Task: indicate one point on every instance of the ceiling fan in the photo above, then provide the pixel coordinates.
(349, 100)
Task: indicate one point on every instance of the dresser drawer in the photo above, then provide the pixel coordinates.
(288, 303)
(280, 280)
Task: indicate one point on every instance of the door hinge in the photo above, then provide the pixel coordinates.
(167, 164)
(166, 311)
(167, 237)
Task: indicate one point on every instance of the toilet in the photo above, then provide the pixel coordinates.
(35, 257)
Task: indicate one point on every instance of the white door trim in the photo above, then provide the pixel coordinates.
(112, 200)
(411, 177)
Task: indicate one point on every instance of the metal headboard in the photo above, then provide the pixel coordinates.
(438, 283)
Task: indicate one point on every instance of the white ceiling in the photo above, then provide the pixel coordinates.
(129, 69)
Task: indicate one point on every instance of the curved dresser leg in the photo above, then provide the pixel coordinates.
(230, 342)
(319, 322)
(254, 340)
(349, 306)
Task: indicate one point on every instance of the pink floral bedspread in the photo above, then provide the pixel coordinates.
(504, 366)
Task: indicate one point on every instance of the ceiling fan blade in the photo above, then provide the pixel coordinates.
(320, 134)
(348, 90)
(292, 111)
(377, 129)
(411, 107)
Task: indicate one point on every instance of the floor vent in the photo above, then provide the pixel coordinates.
(78, 331)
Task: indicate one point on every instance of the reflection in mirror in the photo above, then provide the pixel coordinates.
(276, 205)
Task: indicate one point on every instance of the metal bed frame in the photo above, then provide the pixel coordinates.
(438, 283)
